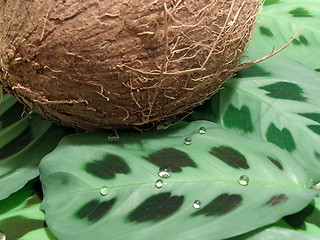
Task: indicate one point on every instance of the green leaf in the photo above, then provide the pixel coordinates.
(20, 216)
(96, 189)
(279, 21)
(23, 142)
(285, 121)
(304, 225)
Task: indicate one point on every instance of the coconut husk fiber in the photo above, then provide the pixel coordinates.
(112, 64)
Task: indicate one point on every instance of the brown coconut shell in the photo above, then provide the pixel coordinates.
(113, 64)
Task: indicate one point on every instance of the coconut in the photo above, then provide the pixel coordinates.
(112, 64)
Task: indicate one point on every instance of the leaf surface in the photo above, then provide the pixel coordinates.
(23, 142)
(20, 216)
(101, 190)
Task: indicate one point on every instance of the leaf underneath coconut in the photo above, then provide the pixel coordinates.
(24, 140)
(219, 185)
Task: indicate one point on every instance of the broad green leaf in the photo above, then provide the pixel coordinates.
(96, 189)
(23, 142)
(304, 225)
(279, 21)
(20, 216)
(278, 104)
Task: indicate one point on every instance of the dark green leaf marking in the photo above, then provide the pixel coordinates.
(300, 12)
(12, 115)
(275, 162)
(254, 71)
(303, 40)
(9, 172)
(241, 119)
(296, 42)
(317, 155)
(282, 138)
(269, 2)
(95, 210)
(107, 167)
(266, 31)
(156, 208)
(16, 227)
(277, 199)
(17, 144)
(309, 214)
(221, 205)
(170, 157)
(313, 116)
(317, 69)
(314, 128)
(230, 156)
(285, 90)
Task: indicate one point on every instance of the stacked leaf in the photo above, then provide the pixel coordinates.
(24, 140)
(191, 182)
(20, 216)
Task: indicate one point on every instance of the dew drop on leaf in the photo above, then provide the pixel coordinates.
(2, 236)
(164, 172)
(159, 183)
(243, 180)
(196, 204)
(202, 130)
(104, 191)
(187, 141)
(113, 137)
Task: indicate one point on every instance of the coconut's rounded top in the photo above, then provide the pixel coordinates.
(119, 64)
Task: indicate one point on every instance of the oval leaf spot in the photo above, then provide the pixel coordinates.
(16, 227)
(156, 208)
(277, 199)
(221, 205)
(282, 138)
(266, 31)
(300, 12)
(285, 90)
(107, 167)
(254, 71)
(309, 214)
(275, 162)
(230, 156)
(238, 118)
(95, 210)
(12, 115)
(17, 144)
(170, 157)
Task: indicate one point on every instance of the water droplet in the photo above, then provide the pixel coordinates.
(243, 180)
(164, 172)
(113, 137)
(2, 236)
(159, 183)
(104, 191)
(196, 204)
(187, 141)
(202, 130)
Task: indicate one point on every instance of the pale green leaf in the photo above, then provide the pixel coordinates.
(278, 22)
(95, 189)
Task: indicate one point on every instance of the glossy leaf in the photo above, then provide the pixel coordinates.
(125, 195)
(279, 21)
(24, 140)
(20, 216)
